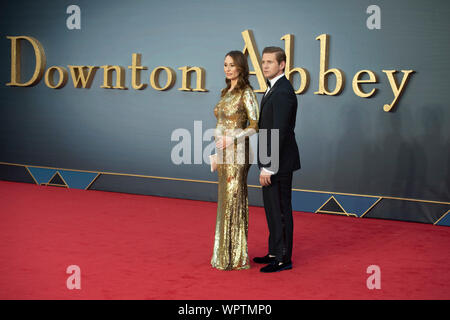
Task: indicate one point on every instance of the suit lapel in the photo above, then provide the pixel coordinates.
(267, 96)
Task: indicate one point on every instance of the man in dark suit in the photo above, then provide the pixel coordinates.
(277, 159)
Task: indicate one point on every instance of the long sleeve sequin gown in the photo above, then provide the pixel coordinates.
(234, 111)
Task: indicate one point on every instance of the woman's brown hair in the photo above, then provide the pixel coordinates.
(240, 61)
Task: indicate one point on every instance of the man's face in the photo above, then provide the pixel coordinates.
(271, 67)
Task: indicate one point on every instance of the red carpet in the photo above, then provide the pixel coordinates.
(142, 247)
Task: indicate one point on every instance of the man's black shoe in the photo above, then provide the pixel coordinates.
(265, 260)
(276, 267)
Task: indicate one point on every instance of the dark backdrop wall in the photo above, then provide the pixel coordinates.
(357, 159)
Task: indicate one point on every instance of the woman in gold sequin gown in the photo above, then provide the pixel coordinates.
(237, 118)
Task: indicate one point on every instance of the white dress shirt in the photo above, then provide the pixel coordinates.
(272, 82)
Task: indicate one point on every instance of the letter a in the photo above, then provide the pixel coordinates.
(373, 21)
(74, 20)
(74, 281)
(374, 281)
(251, 50)
(184, 147)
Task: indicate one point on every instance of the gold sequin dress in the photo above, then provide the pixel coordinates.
(235, 110)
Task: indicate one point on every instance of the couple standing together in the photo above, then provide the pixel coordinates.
(237, 111)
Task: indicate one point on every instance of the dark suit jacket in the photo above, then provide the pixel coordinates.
(278, 111)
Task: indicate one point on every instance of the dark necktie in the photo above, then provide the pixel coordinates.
(268, 87)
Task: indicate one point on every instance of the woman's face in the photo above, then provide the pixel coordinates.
(230, 69)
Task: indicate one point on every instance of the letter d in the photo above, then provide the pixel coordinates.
(15, 61)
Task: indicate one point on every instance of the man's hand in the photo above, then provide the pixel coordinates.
(264, 178)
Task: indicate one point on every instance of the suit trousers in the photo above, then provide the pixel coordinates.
(277, 199)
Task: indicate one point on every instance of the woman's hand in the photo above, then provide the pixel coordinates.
(213, 160)
(223, 142)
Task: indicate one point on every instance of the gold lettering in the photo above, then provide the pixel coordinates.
(63, 75)
(15, 61)
(186, 80)
(395, 89)
(324, 71)
(80, 78)
(154, 82)
(107, 77)
(356, 81)
(251, 50)
(83, 76)
(136, 72)
(304, 75)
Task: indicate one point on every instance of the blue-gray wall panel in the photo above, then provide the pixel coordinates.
(348, 144)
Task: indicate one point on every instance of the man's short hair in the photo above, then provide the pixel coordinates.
(279, 53)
